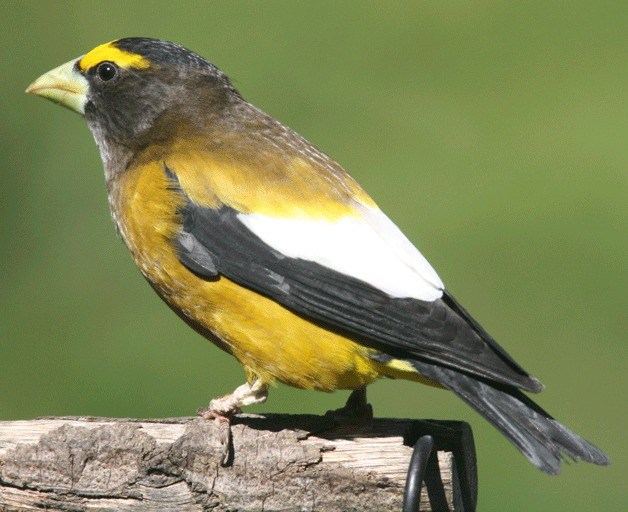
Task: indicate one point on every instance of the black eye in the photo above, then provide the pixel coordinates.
(106, 71)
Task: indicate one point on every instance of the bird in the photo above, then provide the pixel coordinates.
(267, 247)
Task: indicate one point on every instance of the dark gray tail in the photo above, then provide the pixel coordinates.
(543, 440)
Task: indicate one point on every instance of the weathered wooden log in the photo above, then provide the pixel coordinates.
(281, 463)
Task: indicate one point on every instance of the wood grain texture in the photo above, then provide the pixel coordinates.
(281, 463)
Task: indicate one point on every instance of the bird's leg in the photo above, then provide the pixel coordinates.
(357, 408)
(223, 408)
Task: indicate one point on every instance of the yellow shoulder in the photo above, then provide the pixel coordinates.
(270, 183)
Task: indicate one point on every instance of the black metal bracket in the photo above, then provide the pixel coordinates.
(457, 438)
(416, 473)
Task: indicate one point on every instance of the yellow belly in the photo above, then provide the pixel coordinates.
(269, 341)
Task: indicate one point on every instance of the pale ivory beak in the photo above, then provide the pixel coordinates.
(63, 85)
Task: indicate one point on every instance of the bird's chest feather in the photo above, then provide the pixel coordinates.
(144, 209)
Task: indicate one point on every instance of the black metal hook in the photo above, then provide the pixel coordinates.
(424, 467)
(416, 473)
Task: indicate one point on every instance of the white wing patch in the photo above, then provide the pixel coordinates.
(370, 248)
(400, 244)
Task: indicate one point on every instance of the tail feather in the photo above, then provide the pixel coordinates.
(544, 441)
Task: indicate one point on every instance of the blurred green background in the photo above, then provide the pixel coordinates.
(493, 133)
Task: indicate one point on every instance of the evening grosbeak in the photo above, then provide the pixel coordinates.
(268, 248)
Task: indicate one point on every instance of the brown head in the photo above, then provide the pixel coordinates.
(136, 91)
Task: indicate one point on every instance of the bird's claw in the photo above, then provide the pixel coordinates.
(223, 408)
(223, 421)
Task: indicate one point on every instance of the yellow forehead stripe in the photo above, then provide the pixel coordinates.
(108, 52)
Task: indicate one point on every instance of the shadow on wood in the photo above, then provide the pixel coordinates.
(282, 462)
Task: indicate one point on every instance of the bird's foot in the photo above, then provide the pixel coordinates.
(223, 421)
(357, 410)
(222, 410)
